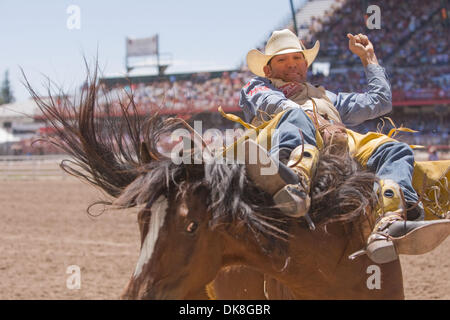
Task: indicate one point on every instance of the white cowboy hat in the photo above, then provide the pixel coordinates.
(280, 42)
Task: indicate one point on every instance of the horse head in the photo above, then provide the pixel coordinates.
(177, 242)
(193, 218)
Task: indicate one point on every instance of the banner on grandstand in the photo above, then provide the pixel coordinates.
(142, 46)
(321, 68)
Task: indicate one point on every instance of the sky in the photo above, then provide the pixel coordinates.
(198, 35)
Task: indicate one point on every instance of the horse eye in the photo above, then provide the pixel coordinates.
(192, 226)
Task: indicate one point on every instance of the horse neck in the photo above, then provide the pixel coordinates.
(316, 265)
(241, 249)
(328, 273)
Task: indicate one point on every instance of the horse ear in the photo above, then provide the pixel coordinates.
(193, 162)
(144, 154)
(192, 158)
(194, 170)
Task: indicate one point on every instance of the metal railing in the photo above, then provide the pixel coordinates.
(31, 167)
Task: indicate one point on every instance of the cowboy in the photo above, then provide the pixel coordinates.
(281, 93)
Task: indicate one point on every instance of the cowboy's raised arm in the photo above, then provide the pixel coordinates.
(260, 98)
(355, 108)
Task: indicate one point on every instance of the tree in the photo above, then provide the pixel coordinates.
(6, 95)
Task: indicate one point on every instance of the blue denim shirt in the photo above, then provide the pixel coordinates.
(354, 108)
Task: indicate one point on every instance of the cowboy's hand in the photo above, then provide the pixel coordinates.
(362, 47)
(292, 88)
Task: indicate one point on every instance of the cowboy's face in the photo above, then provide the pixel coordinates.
(288, 67)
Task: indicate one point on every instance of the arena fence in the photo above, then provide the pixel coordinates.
(47, 166)
(32, 167)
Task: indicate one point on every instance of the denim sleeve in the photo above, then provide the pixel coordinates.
(259, 98)
(355, 108)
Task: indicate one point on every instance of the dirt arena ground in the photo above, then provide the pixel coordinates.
(44, 229)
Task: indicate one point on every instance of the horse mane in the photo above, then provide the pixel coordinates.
(105, 140)
(342, 190)
(103, 153)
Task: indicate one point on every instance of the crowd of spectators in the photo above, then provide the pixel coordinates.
(427, 46)
(421, 83)
(413, 47)
(208, 93)
(408, 26)
(431, 125)
(204, 93)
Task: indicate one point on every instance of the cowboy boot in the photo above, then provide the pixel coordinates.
(393, 235)
(294, 199)
(288, 187)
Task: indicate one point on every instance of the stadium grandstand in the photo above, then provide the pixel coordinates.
(413, 47)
